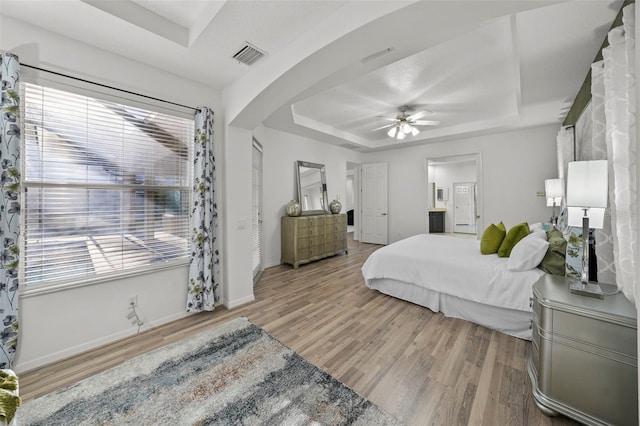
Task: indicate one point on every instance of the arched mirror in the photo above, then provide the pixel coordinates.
(312, 188)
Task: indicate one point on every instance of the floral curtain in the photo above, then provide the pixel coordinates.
(204, 267)
(9, 206)
(619, 95)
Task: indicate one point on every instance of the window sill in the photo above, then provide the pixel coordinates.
(40, 289)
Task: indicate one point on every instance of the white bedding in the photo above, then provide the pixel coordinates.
(452, 266)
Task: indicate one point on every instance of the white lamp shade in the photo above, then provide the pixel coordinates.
(587, 184)
(554, 190)
(595, 215)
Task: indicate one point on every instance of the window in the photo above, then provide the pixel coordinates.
(107, 186)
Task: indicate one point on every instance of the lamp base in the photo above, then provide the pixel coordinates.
(586, 289)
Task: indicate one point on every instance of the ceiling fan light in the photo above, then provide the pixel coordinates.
(406, 128)
(401, 135)
(414, 131)
(392, 132)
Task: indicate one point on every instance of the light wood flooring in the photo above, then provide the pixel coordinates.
(420, 366)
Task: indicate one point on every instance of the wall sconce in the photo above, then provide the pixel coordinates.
(554, 190)
(587, 191)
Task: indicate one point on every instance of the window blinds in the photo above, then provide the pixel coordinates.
(107, 186)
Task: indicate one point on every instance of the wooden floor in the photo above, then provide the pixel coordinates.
(422, 367)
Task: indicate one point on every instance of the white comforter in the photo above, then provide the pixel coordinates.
(452, 266)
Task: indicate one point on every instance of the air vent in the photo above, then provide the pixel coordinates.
(248, 54)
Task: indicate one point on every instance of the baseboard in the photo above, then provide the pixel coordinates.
(22, 367)
(242, 301)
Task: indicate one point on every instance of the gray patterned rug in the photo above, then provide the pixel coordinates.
(233, 374)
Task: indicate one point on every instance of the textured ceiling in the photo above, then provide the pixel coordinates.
(335, 69)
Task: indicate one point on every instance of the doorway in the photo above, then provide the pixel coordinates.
(454, 189)
(256, 211)
(353, 203)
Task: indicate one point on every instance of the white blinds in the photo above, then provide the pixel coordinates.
(107, 186)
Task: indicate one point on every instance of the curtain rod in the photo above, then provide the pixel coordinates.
(107, 86)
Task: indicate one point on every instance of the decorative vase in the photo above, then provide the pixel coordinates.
(335, 206)
(293, 208)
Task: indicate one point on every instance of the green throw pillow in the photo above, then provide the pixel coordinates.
(515, 234)
(554, 259)
(492, 238)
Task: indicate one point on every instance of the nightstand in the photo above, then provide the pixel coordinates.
(583, 361)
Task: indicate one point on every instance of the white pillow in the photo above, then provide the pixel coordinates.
(528, 253)
(533, 227)
(539, 234)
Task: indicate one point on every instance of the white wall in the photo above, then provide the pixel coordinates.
(515, 165)
(280, 152)
(236, 205)
(64, 323)
(60, 324)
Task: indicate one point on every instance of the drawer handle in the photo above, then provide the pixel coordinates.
(531, 302)
(530, 324)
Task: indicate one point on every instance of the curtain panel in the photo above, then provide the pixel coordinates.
(619, 86)
(9, 206)
(204, 266)
(596, 149)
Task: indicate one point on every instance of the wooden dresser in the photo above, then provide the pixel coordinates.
(308, 238)
(583, 360)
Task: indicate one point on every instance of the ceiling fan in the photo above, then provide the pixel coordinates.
(404, 124)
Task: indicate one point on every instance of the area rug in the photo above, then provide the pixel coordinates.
(234, 374)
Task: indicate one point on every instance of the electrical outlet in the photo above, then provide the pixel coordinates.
(133, 300)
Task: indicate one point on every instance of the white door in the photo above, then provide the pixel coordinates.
(374, 203)
(464, 214)
(256, 211)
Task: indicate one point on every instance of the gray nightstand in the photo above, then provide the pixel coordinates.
(583, 360)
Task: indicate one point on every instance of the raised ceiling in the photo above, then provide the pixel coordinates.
(334, 69)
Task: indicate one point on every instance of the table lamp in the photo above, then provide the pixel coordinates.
(554, 190)
(587, 190)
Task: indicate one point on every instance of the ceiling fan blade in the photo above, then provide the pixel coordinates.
(425, 123)
(419, 114)
(382, 127)
(387, 118)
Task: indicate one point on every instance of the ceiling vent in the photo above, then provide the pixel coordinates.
(248, 54)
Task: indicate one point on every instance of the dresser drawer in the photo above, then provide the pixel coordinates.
(614, 337)
(335, 246)
(310, 241)
(311, 221)
(310, 231)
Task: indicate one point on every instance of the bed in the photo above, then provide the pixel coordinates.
(450, 275)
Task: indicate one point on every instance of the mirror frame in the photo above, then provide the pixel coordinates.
(323, 180)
